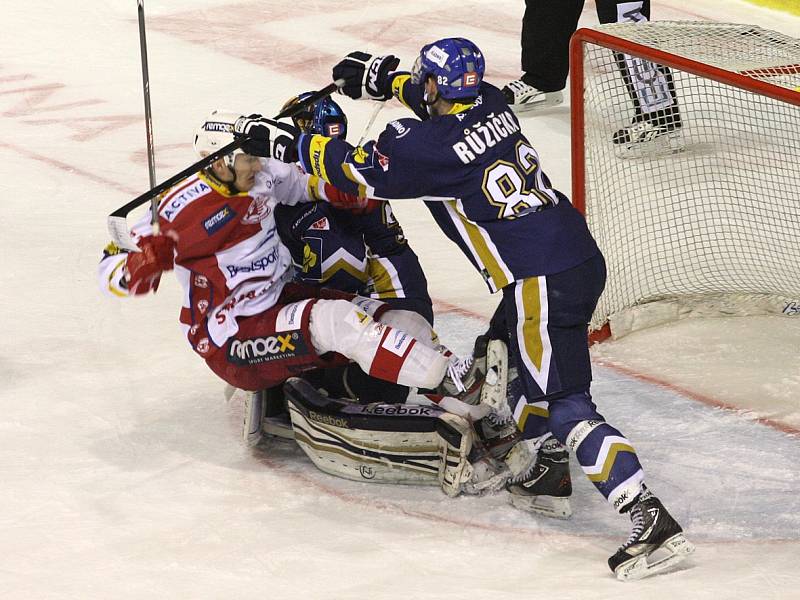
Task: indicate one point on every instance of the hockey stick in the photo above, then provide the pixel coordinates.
(148, 115)
(117, 223)
(371, 122)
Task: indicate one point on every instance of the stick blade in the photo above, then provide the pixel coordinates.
(120, 234)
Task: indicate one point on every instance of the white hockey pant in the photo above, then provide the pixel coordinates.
(379, 349)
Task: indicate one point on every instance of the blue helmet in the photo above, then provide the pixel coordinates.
(456, 64)
(329, 119)
(325, 117)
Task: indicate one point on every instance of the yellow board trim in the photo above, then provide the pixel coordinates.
(486, 256)
(609, 462)
(789, 6)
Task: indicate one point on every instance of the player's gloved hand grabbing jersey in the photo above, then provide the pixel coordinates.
(144, 268)
(366, 75)
(267, 137)
(344, 201)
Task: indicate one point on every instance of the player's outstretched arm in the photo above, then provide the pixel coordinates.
(386, 169)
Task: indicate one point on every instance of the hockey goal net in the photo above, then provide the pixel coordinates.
(686, 163)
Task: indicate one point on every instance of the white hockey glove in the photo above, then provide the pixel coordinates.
(267, 137)
(366, 75)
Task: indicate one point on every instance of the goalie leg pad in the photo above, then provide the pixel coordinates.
(455, 443)
(382, 443)
(265, 414)
(494, 390)
(253, 416)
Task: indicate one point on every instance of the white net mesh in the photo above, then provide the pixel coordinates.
(696, 205)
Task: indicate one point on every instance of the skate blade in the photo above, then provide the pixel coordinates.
(677, 549)
(663, 145)
(549, 506)
(277, 427)
(534, 107)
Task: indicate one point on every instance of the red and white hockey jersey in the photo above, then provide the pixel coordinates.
(229, 258)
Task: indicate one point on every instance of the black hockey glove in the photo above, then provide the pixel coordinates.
(267, 137)
(366, 75)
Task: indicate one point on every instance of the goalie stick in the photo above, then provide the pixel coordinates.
(117, 223)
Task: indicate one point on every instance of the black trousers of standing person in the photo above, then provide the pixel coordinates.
(547, 27)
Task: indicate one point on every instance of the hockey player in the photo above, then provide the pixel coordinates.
(241, 312)
(360, 250)
(546, 29)
(484, 185)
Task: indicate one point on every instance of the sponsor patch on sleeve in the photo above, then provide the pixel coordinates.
(219, 219)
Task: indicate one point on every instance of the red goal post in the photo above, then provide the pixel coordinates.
(704, 220)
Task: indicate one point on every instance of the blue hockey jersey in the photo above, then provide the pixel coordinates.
(364, 253)
(480, 177)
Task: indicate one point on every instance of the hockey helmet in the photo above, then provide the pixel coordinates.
(329, 119)
(216, 132)
(456, 64)
(325, 117)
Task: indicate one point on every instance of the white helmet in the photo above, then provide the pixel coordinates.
(216, 132)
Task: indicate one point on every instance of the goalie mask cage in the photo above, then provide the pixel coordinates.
(705, 219)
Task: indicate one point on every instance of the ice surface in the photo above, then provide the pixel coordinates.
(121, 468)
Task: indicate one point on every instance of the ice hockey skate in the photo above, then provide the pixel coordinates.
(480, 377)
(656, 542)
(544, 487)
(499, 433)
(654, 133)
(525, 98)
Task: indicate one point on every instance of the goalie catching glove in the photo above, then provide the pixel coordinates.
(267, 137)
(144, 268)
(366, 75)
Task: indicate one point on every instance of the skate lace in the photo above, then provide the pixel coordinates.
(458, 369)
(637, 518)
(524, 475)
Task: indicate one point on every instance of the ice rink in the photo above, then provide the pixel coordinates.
(122, 474)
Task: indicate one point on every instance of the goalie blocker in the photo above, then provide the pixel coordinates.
(390, 443)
